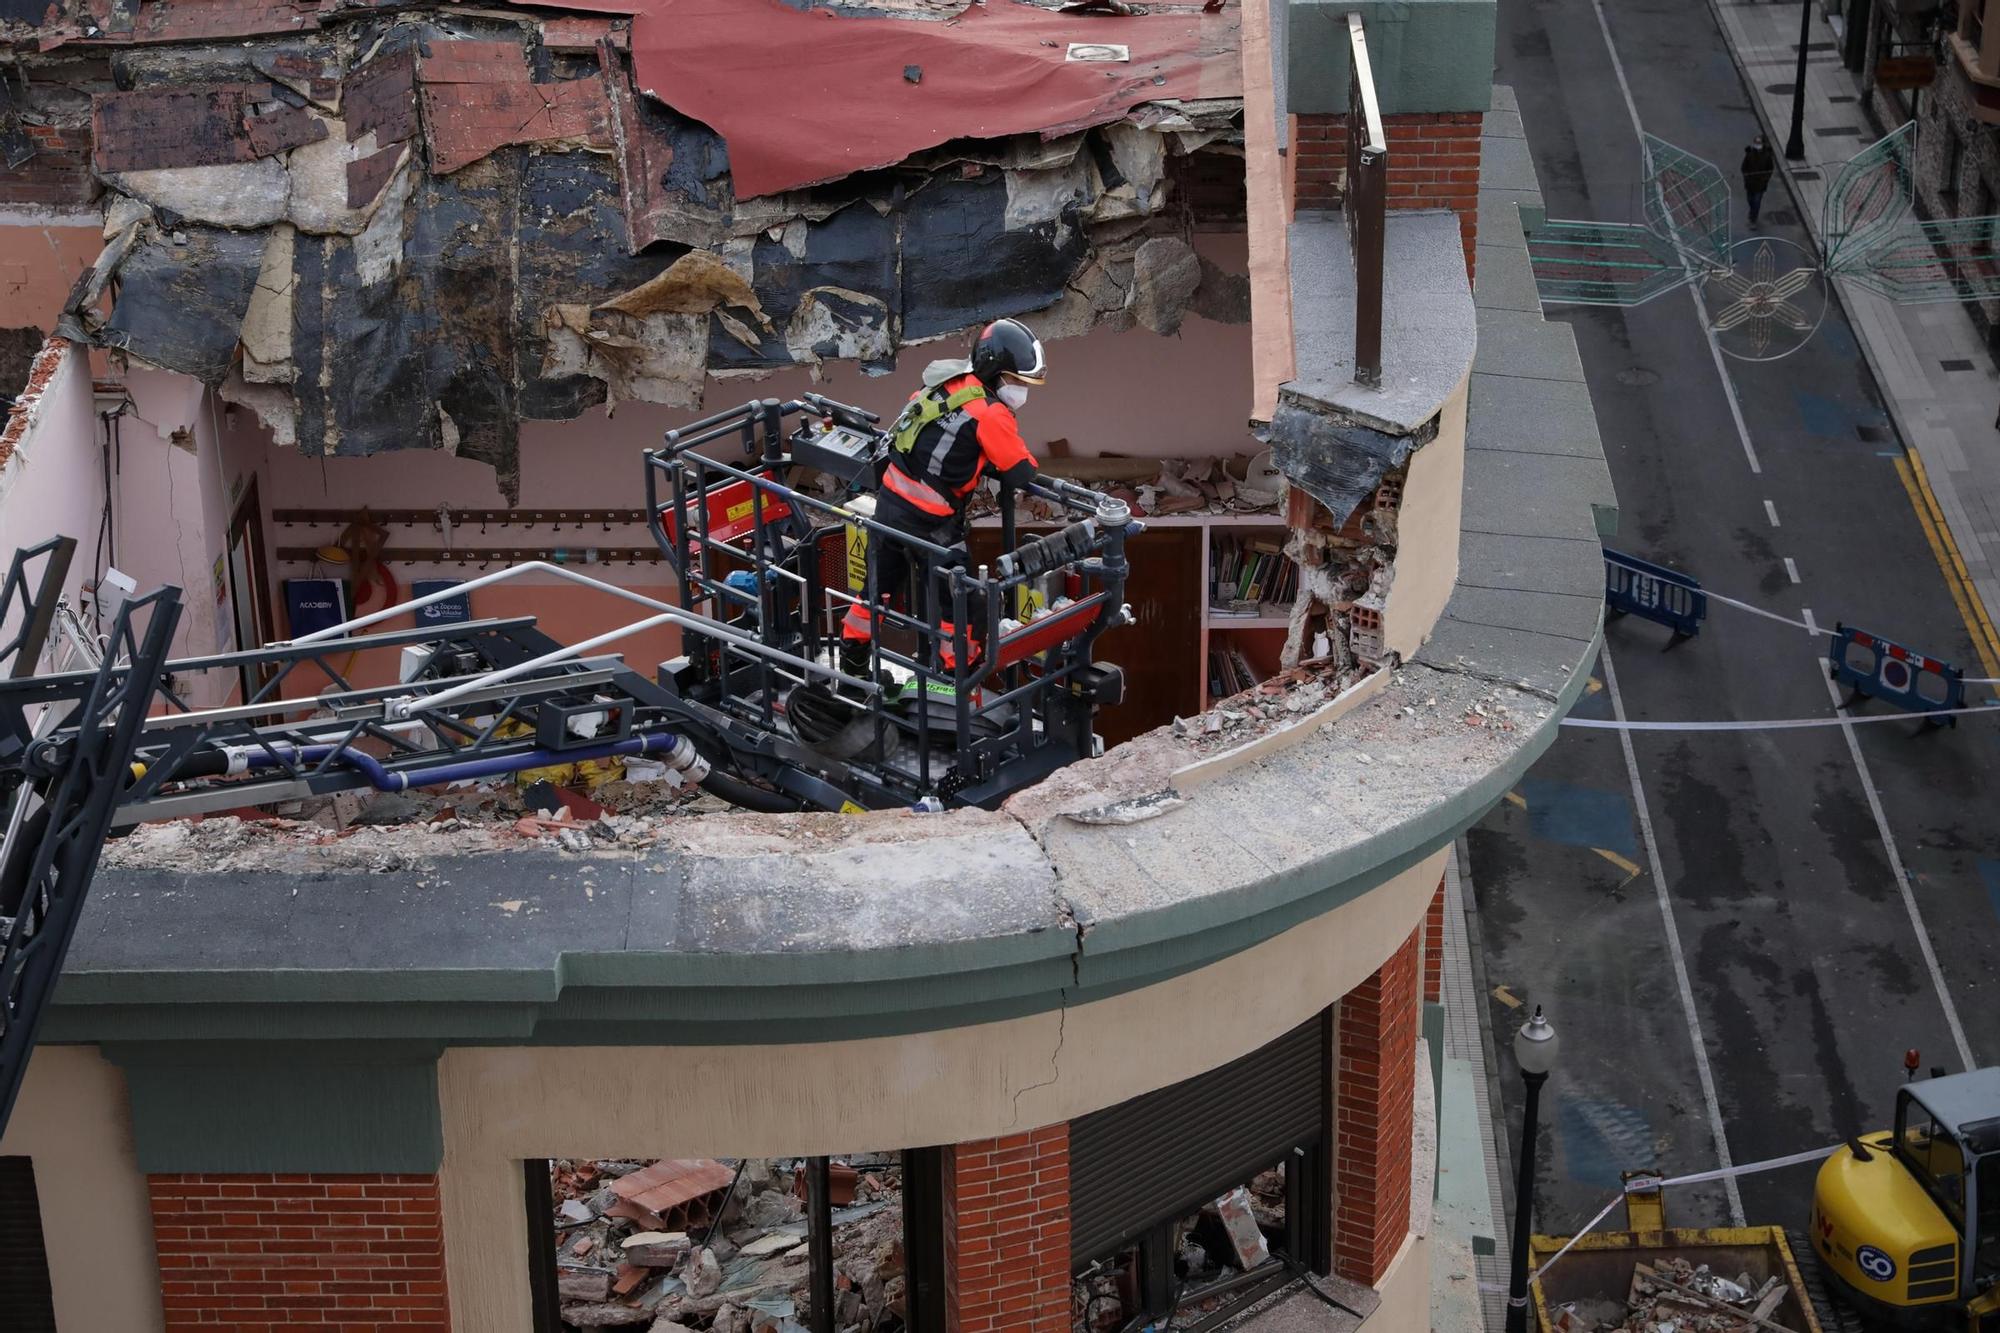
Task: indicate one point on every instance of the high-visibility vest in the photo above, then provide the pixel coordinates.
(921, 411)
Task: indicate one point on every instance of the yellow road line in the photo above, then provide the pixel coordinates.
(1631, 870)
(1910, 471)
(1957, 559)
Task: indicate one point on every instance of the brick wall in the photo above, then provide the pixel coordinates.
(1006, 1238)
(1375, 1091)
(58, 175)
(1434, 948)
(1433, 163)
(297, 1252)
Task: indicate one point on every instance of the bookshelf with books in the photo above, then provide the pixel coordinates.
(1246, 588)
(1249, 584)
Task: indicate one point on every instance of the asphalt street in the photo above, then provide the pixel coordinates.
(1753, 994)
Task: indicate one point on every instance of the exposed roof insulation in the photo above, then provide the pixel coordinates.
(415, 226)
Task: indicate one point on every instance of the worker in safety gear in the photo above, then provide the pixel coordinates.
(944, 441)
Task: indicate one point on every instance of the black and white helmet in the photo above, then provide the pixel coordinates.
(1007, 349)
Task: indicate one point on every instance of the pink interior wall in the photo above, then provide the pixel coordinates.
(1130, 393)
(51, 482)
(39, 263)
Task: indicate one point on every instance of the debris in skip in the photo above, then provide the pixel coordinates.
(1678, 1296)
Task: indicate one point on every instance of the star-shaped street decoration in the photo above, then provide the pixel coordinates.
(1762, 298)
(1873, 238)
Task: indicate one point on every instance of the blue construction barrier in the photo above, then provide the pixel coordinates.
(1876, 668)
(1653, 592)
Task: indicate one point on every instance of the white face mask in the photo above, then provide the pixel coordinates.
(1014, 395)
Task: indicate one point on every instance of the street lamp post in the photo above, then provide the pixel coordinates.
(1535, 1051)
(1795, 142)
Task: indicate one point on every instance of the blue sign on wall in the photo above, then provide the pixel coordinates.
(312, 605)
(448, 611)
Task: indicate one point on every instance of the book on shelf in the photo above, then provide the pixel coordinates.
(1251, 573)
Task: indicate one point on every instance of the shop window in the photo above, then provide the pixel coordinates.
(728, 1246)
(1192, 1200)
(1192, 1272)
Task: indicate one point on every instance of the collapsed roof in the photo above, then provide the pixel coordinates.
(413, 226)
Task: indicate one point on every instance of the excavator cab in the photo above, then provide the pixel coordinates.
(1906, 1222)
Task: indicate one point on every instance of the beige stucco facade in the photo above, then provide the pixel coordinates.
(73, 1120)
(1427, 531)
(502, 1105)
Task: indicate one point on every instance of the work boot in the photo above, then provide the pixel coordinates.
(853, 659)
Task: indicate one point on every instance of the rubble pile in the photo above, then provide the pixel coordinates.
(1227, 1238)
(701, 1246)
(1676, 1296)
(389, 831)
(1264, 707)
(1241, 484)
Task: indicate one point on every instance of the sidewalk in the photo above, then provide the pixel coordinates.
(1930, 361)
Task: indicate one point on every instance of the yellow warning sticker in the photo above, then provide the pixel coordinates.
(738, 511)
(850, 808)
(857, 558)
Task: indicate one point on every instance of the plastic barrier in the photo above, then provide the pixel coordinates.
(1653, 592)
(1873, 667)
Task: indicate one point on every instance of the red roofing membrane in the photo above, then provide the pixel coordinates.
(809, 96)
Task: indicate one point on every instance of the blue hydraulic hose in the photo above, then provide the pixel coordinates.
(467, 770)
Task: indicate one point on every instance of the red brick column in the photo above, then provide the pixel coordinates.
(58, 175)
(1006, 1234)
(1434, 948)
(1433, 163)
(1374, 1095)
(317, 1252)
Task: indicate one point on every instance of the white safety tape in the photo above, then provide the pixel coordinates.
(1768, 724)
(1777, 723)
(1639, 1184)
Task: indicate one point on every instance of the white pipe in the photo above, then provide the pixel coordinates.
(670, 615)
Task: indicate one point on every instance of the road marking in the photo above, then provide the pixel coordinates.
(1805, 614)
(1695, 289)
(1771, 512)
(1688, 1011)
(1506, 997)
(1909, 471)
(1630, 868)
(1902, 878)
(1791, 569)
(1515, 798)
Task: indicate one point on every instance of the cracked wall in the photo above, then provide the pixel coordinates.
(503, 1104)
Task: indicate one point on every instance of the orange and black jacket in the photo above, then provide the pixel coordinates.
(951, 454)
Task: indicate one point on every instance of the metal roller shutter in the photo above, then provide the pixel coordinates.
(1168, 1152)
(26, 1305)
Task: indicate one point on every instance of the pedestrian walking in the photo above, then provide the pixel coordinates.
(1758, 164)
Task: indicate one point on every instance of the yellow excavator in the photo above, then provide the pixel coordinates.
(1906, 1222)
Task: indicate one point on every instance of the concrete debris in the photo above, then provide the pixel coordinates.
(1674, 1295)
(384, 832)
(745, 1271)
(1165, 274)
(1151, 486)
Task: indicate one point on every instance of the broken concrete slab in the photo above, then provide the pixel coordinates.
(239, 195)
(1165, 274)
